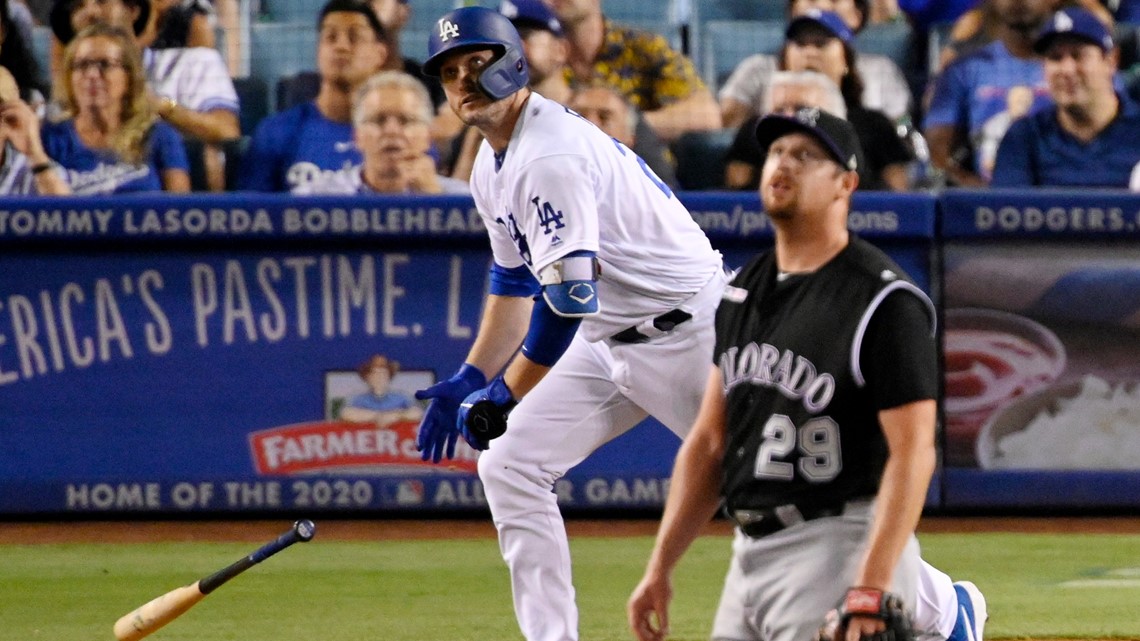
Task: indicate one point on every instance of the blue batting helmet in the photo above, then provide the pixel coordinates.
(480, 28)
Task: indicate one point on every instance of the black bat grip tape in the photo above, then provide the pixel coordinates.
(302, 531)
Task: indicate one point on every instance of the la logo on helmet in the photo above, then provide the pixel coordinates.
(447, 30)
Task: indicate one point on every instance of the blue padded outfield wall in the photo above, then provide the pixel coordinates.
(191, 354)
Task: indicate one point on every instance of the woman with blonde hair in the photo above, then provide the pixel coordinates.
(110, 141)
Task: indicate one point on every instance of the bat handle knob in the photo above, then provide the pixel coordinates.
(487, 420)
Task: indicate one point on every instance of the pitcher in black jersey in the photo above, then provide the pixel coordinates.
(818, 420)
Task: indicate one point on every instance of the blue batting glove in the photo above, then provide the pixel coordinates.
(483, 414)
(439, 431)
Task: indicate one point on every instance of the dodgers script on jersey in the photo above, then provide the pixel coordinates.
(562, 186)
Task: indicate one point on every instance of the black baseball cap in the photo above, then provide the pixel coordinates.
(836, 135)
(60, 18)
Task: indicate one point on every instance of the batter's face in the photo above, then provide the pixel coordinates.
(459, 74)
(1078, 73)
(348, 50)
(800, 178)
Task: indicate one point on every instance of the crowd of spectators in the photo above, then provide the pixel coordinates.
(134, 94)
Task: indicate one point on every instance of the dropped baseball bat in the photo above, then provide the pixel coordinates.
(163, 609)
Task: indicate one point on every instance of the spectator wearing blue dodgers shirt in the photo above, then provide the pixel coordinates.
(391, 116)
(1091, 137)
(975, 88)
(298, 145)
(111, 141)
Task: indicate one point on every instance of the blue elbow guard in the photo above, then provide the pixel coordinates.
(569, 285)
(512, 281)
(549, 334)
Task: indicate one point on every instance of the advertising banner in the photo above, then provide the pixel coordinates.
(257, 354)
(1042, 348)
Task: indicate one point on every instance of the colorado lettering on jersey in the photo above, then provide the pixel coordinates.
(517, 236)
(793, 376)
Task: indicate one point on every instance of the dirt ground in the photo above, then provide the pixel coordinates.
(340, 529)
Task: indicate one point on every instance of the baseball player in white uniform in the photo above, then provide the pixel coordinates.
(629, 287)
(603, 292)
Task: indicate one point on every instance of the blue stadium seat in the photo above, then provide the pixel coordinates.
(292, 10)
(41, 48)
(645, 11)
(890, 39)
(253, 95)
(413, 43)
(233, 150)
(671, 31)
(724, 43)
(281, 49)
(706, 10)
(426, 12)
(701, 158)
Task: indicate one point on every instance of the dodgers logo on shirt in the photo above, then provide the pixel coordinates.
(447, 30)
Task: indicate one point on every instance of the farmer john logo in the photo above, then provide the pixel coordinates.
(337, 446)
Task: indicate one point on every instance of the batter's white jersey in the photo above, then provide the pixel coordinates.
(562, 186)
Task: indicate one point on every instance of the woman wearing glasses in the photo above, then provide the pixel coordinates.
(110, 141)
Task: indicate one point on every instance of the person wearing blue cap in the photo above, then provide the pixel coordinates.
(885, 87)
(822, 41)
(1090, 137)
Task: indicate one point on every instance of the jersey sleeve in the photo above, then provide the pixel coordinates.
(1013, 166)
(950, 98)
(261, 165)
(749, 80)
(556, 208)
(898, 355)
(167, 150)
(207, 85)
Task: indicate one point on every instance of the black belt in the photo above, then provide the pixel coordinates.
(663, 323)
(759, 523)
